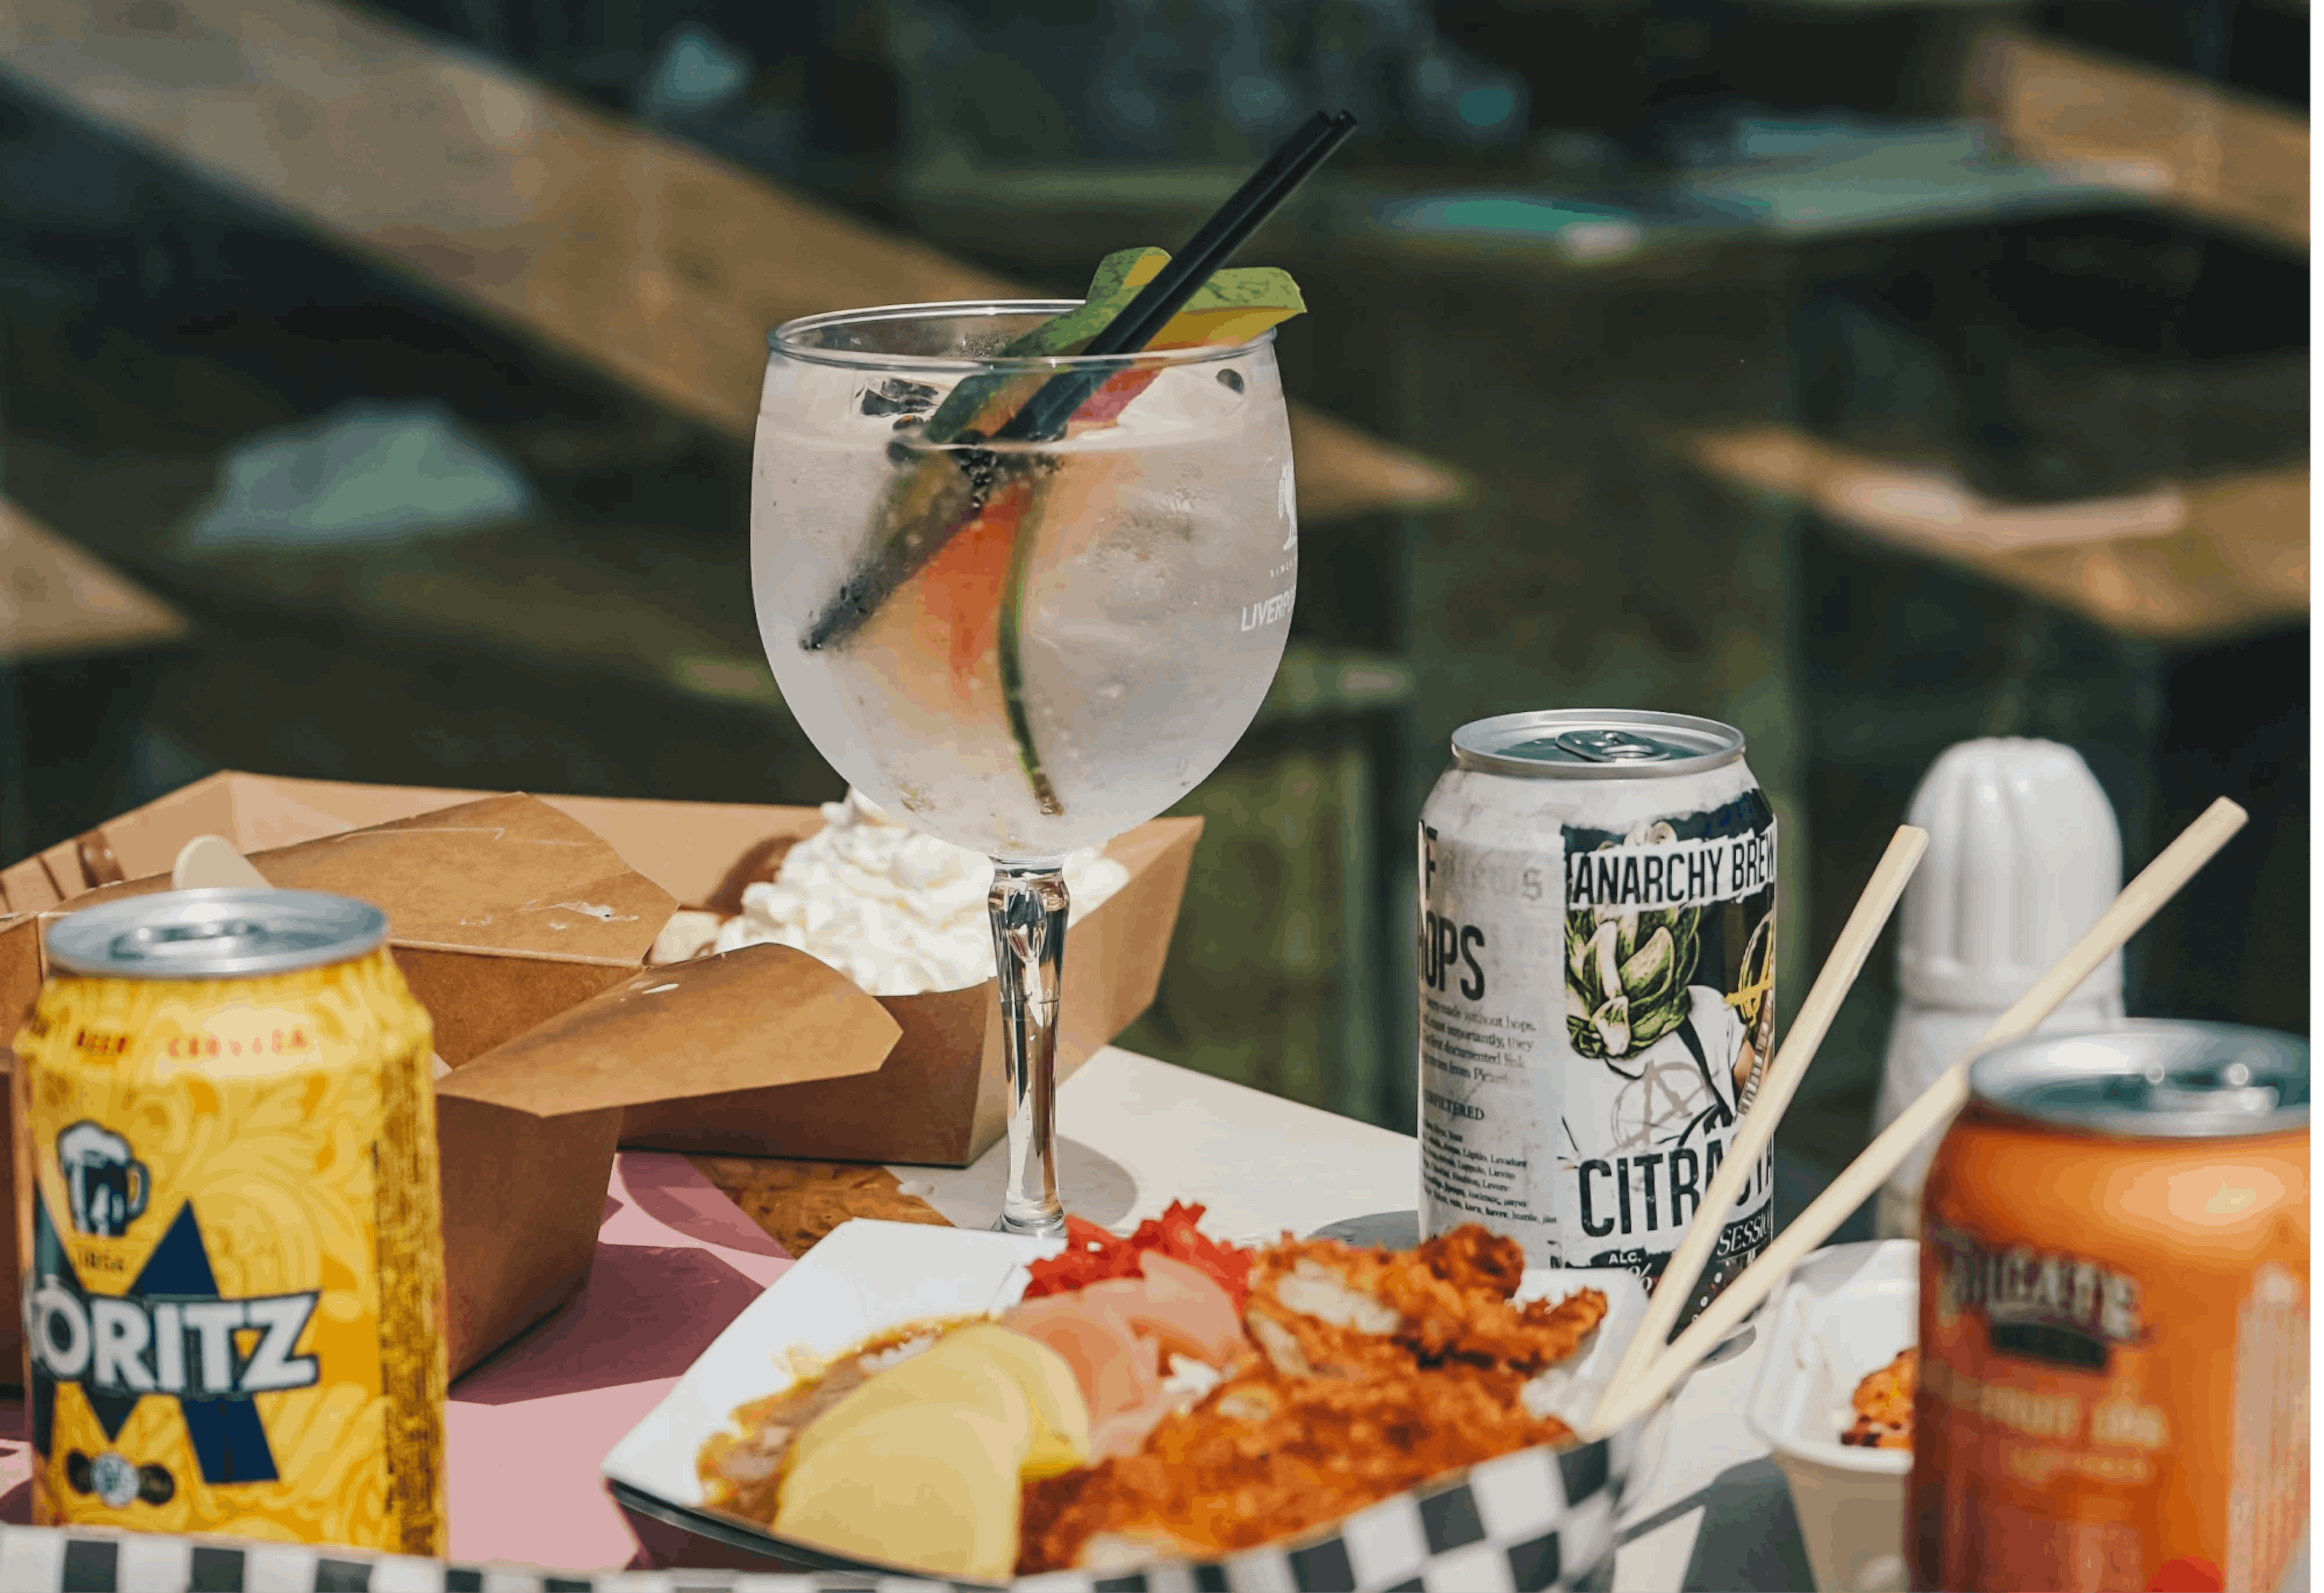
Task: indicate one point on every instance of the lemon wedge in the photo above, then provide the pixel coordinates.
(934, 1490)
(922, 1465)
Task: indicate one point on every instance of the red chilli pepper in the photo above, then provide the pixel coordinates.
(1092, 1254)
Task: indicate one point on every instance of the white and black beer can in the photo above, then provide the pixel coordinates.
(1597, 986)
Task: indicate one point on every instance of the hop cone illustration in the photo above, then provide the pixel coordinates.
(1627, 973)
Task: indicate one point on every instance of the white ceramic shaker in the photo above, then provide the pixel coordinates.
(2023, 855)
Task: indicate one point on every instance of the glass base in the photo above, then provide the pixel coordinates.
(1034, 1224)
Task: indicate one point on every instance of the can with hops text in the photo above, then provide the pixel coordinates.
(2113, 1316)
(228, 1207)
(1597, 944)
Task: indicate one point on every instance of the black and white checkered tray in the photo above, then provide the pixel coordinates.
(1523, 1524)
(1534, 1520)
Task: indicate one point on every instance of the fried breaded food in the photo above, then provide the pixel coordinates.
(1267, 1456)
(1378, 1371)
(1320, 1307)
(1884, 1405)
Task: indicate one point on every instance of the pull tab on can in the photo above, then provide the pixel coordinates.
(1615, 746)
(222, 932)
(1596, 744)
(186, 939)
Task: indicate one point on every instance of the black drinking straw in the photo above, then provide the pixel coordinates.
(1043, 417)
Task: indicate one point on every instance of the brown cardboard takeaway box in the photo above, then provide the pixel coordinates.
(523, 924)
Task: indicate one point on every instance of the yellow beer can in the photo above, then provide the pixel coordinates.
(227, 1200)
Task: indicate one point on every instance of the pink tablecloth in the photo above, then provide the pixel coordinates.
(675, 1263)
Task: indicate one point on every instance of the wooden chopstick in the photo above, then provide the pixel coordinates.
(1789, 1066)
(2140, 900)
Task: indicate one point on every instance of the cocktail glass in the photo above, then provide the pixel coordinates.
(1024, 649)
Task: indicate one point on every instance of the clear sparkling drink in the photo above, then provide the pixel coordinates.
(1597, 986)
(1085, 649)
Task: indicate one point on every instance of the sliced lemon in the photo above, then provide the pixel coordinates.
(932, 1489)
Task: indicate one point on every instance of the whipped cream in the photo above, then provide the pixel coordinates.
(898, 912)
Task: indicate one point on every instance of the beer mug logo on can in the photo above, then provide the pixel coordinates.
(107, 1183)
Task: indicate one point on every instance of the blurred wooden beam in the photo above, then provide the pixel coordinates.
(57, 601)
(635, 251)
(2233, 160)
(2190, 562)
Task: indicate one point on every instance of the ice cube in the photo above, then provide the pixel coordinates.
(897, 396)
(1186, 400)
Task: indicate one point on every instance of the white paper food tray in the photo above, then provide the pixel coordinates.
(867, 1276)
(1845, 1312)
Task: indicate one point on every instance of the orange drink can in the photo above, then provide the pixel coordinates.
(227, 1206)
(2114, 1318)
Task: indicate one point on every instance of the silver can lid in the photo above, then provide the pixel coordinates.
(1596, 744)
(2156, 1079)
(230, 934)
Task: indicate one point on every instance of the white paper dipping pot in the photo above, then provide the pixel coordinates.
(1845, 1312)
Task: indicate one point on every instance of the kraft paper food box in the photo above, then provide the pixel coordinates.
(523, 924)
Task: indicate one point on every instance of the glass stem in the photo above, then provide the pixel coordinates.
(1028, 944)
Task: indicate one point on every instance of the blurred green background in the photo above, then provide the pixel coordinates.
(1574, 240)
